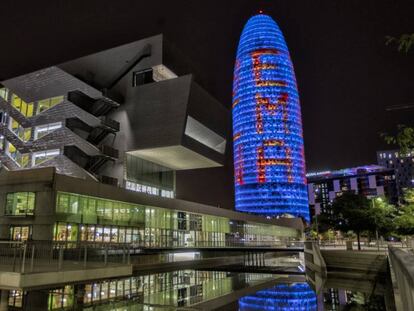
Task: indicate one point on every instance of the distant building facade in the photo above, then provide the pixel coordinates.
(403, 164)
(370, 180)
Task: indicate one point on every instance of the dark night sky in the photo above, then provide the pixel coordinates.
(346, 75)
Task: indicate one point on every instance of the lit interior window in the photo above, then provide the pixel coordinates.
(4, 93)
(24, 134)
(48, 103)
(43, 130)
(42, 156)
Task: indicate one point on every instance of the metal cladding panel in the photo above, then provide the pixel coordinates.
(268, 142)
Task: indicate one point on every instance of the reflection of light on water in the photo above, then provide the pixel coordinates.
(298, 296)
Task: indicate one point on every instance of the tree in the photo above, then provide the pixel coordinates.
(405, 218)
(381, 215)
(404, 41)
(404, 138)
(405, 134)
(322, 223)
(351, 212)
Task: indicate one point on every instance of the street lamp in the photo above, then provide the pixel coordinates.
(378, 200)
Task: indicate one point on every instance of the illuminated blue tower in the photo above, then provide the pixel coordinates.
(289, 297)
(269, 159)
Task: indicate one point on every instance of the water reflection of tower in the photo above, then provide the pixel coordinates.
(269, 160)
(297, 296)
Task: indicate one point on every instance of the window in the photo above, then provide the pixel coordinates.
(45, 104)
(20, 105)
(21, 159)
(4, 93)
(23, 133)
(20, 233)
(43, 156)
(142, 77)
(66, 232)
(61, 298)
(20, 203)
(16, 298)
(43, 130)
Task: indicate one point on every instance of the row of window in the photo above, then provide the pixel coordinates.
(107, 220)
(21, 159)
(148, 237)
(20, 203)
(29, 109)
(33, 159)
(160, 289)
(25, 134)
(91, 209)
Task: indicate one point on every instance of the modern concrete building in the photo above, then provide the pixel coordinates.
(89, 151)
(132, 106)
(40, 204)
(370, 180)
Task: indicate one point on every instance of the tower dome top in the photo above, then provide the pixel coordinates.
(261, 31)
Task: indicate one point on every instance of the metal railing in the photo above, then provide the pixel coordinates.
(341, 244)
(46, 256)
(168, 244)
(402, 265)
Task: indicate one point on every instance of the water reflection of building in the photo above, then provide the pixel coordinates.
(116, 126)
(172, 289)
(297, 296)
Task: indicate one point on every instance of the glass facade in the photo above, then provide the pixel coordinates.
(62, 298)
(148, 177)
(29, 109)
(20, 105)
(176, 288)
(16, 298)
(47, 103)
(24, 134)
(28, 134)
(20, 233)
(22, 159)
(20, 203)
(91, 219)
(43, 130)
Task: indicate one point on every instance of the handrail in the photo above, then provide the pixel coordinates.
(402, 264)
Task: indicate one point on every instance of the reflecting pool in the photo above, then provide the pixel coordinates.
(192, 290)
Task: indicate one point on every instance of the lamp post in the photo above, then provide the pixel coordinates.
(376, 220)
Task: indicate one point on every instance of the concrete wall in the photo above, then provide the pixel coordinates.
(44, 216)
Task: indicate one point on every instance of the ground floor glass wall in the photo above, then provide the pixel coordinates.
(91, 219)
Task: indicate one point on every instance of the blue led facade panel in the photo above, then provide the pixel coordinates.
(269, 159)
(289, 297)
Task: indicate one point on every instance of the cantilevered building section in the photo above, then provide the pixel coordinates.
(268, 143)
(128, 116)
(89, 151)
